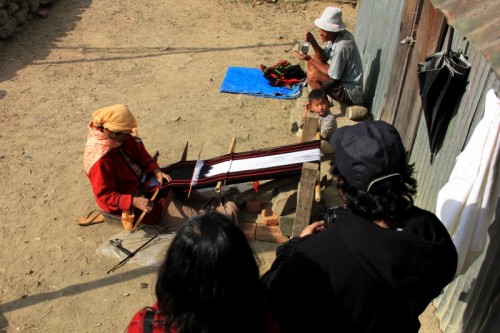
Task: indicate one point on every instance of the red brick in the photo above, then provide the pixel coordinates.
(270, 220)
(268, 217)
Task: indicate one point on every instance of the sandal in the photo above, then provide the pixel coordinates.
(93, 217)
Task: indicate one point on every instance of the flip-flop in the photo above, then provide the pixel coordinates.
(93, 217)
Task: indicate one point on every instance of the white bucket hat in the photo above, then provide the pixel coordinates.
(331, 20)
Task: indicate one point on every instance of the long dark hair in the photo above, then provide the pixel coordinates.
(209, 281)
(388, 199)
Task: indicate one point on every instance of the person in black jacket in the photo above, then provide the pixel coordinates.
(380, 263)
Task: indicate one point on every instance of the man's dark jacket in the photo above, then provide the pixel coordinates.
(359, 277)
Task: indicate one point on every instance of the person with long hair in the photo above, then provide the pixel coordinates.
(209, 282)
(374, 264)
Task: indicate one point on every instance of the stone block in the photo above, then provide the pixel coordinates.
(13, 7)
(33, 5)
(357, 112)
(284, 199)
(21, 15)
(8, 28)
(286, 224)
(4, 17)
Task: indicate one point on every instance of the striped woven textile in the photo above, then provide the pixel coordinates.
(241, 167)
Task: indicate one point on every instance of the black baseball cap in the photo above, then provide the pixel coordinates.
(368, 151)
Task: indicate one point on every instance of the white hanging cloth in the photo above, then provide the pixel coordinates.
(466, 204)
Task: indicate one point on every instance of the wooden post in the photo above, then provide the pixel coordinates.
(317, 189)
(310, 129)
(311, 132)
(305, 197)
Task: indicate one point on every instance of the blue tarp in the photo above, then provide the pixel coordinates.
(250, 81)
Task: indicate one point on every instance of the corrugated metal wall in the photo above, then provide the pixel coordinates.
(460, 308)
(471, 302)
(376, 33)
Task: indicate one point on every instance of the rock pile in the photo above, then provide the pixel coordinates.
(14, 13)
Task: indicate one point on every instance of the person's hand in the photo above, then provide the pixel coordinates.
(142, 203)
(160, 175)
(301, 56)
(307, 108)
(313, 228)
(309, 37)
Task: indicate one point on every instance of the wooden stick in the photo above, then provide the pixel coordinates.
(232, 146)
(127, 258)
(185, 152)
(169, 199)
(170, 195)
(144, 212)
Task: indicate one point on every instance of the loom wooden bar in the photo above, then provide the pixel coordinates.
(305, 197)
(310, 129)
(232, 146)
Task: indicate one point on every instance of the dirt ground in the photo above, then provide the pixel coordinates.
(166, 61)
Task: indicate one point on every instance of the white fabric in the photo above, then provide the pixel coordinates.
(466, 204)
(262, 162)
(196, 172)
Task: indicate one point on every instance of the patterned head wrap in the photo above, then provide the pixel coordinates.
(116, 118)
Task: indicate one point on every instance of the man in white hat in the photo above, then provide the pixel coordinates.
(337, 68)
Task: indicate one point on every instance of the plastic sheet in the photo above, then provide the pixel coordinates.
(152, 254)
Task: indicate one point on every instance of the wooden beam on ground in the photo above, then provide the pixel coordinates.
(310, 128)
(305, 197)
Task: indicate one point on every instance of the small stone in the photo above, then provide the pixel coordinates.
(43, 14)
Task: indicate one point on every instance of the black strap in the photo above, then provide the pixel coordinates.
(149, 319)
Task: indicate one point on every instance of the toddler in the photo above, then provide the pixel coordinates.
(319, 104)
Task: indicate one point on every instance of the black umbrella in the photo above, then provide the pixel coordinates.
(442, 79)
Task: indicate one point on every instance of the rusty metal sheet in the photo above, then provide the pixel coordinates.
(479, 22)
